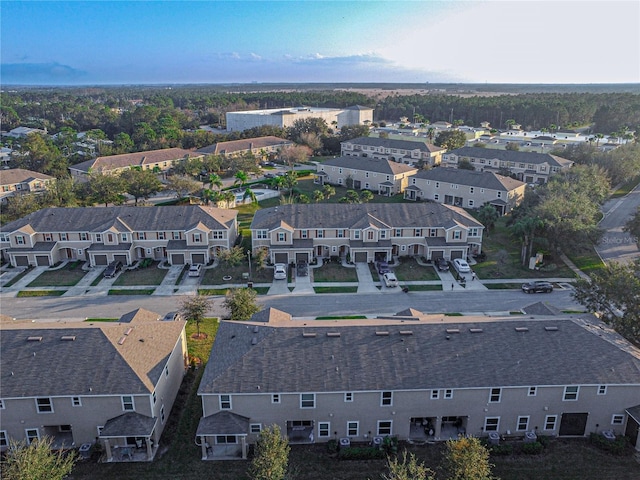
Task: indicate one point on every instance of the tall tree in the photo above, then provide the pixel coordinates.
(241, 303)
(37, 461)
(488, 216)
(106, 188)
(298, 153)
(451, 139)
(182, 185)
(271, 455)
(241, 178)
(194, 309)
(141, 183)
(407, 468)
(467, 459)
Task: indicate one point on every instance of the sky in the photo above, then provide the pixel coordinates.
(187, 42)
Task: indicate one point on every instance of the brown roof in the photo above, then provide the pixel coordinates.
(244, 145)
(135, 159)
(20, 175)
(367, 164)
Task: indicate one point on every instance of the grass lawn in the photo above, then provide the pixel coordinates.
(335, 289)
(18, 277)
(503, 258)
(201, 347)
(424, 288)
(214, 276)
(67, 276)
(145, 291)
(306, 186)
(151, 275)
(626, 187)
(502, 286)
(334, 272)
(409, 270)
(588, 260)
(41, 293)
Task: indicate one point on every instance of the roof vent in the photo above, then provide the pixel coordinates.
(333, 334)
(551, 329)
(522, 329)
(475, 330)
(34, 339)
(382, 334)
(129, 330)
(406, 332)
(453, 330)
(254, 341)
(121, 341)
(308, 334)
(255, 329)
(69, 338)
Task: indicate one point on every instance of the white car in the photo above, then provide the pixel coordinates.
(390, 279)
(194, 270)
(280, 271)
(461, 265)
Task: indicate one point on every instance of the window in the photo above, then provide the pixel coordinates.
(495, 395)
(457, 234)
(154, 398)
(20, 239)
(48, 237)
(602, 390)
(225, 402)
(433, 232)
(32, 435)
(307, 400)
(523, 424)
(162, 417)
(437, 184)
(398, 232)
(282, 237)
(175, 235)
(76, 402)
(255, 428)
(303, 234)
(366, 174)
(197, 238)
(261, 234)
(417, 232)
(166, 371)
(471, 190)
(98, 237)
(436, 197)
(384, 427)
(127, 403)
(320, 233)
(571, 393)
(532, 391)
(617, 419)
(491, 424)
(275, 398)
(348, 397)
(356, 234)
(471, 203)
(142, 236)
(222, 439)
(370, 235)
(448, 394)
(64, 237)
(383, 234)
(499, 194)
(352, 429)
(3, 438)
(473, 232)
(161, 236)
(1, 404)
(550, 422)
(99, 429)
(435, 394)
(324, 429)
(386, 399)
(44, 405)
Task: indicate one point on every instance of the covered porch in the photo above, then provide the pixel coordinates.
(223, 436)
(129, 438)
(300, 431)
(61, 436)
(431, 429)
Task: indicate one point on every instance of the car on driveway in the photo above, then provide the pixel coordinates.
(302, 269)
(280, 271)
(390, 279)
(442, 264)
(172, 317)
(537, 287)
(461, 265)
(383, 267)
(195, 269)
(112, 269)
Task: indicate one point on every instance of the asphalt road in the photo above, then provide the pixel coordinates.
(617, 245)
(77, 308)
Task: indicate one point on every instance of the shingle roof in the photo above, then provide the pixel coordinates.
(130, 424)
(512, 156)
(338, 215)
(20, 175)
(95, 362)
(244, 145)
(470, 178)
(135, 159)
(223, 423)
(127, 219)
(425, 356)
(368, 164)
(395, 143)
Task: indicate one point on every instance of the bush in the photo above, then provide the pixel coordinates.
(332, 446)
(616, 447)
(503, 449)
(544, 440)
(360, 453)
(534, 448)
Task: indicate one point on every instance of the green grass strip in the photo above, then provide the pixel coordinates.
(145, 291)
(212, 291)
(335, 289)
(424, 288)
(502, 286)
(41, 293)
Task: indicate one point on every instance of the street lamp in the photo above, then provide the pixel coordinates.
(249, 255)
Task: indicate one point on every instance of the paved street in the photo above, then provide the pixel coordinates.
(617, 245)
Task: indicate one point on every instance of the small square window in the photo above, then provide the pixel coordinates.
(307, 400)
(491, 424)
(384, 427)
(44, 405)
(448, 394)
(386, 399)
(571, 393)
(550, 422)
(532, 391)
(496, 394)
(348, 397)
(76, 402)
(523, 424)
(324, 429)
(602, 390)
(617, 420)
(255, 428)
(225, 402)
(275, 398)
(435, 394)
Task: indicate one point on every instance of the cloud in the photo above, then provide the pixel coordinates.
(40, 73)
(340, 61)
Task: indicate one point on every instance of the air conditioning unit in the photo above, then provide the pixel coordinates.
(377, 441)
(530, 437)
(494, 438)
(345, 442)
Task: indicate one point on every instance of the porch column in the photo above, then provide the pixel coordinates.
(438, 428)
(203, 446)
(243, 442)
(107, 449)
(149, 449)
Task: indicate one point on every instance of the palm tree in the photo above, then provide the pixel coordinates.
(328, 191)
(228, 197)
(214, 179)
(431, 132)
(210, 196)
(303, 198)
(599, 136)
(241, 178)
(248, 193)
(318, 196)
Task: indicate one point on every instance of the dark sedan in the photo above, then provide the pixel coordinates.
(537, 287)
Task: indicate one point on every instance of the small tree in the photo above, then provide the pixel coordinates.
(407, 469)
(37, 461)
(271, 455)
(260, 257)
(328, 191)
(194, 309)
(488, 216)
(366, 196)
(467, 459)
(232, 257)
(513, 146)
(241, 303)
(465, 164)
(318, 196)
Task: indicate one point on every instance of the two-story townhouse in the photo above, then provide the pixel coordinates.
(466, 188)
(177, 234)
(261, 147)
(385, 177)
(365, 232)
(154, 160)
(529, 167)
(82, 383)
(404, 151)
(416, 377)
(16, 181)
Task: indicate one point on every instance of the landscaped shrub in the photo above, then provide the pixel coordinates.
(332, 446)
(503, 449)
(360, 453)
(616, 447)
(544, 440)
(534, 448)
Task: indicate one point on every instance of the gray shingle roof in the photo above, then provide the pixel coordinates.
(223, 423)
(368, 164)
(130, 424)
(395, 143)
(470, 178)
(427, 357)
(243, 145)
(20, 175)
(135, 159)
(513, 156)
(125, 219)
(338, 215)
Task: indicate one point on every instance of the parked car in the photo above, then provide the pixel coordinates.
(195, 269)
(537, 287)
(269, 175)
(172, 317)
(302, 269)
(390, 279)
(442, 264)
(280, 271)
(461, 265)
(383, 267)
(112, 269)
